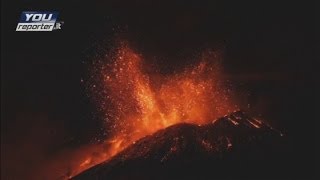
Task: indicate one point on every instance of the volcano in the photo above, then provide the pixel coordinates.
(235, 146)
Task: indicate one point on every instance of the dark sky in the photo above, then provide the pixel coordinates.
(268, 49)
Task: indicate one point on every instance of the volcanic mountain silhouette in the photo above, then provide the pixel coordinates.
(232, 147)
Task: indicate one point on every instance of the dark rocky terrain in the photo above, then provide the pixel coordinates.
(233, 147)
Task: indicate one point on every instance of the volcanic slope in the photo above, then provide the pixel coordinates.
(235, 146)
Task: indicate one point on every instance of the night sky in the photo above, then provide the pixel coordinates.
(268, 53)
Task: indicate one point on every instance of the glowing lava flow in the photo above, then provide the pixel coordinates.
(138, 103)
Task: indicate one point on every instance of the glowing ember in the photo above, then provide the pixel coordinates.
(229, 143)
(138, 103)
(233, 122)
(254, 124)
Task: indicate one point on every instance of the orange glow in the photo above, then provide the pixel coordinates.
(144, 102)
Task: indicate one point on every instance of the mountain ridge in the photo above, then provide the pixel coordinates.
(182, 150)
